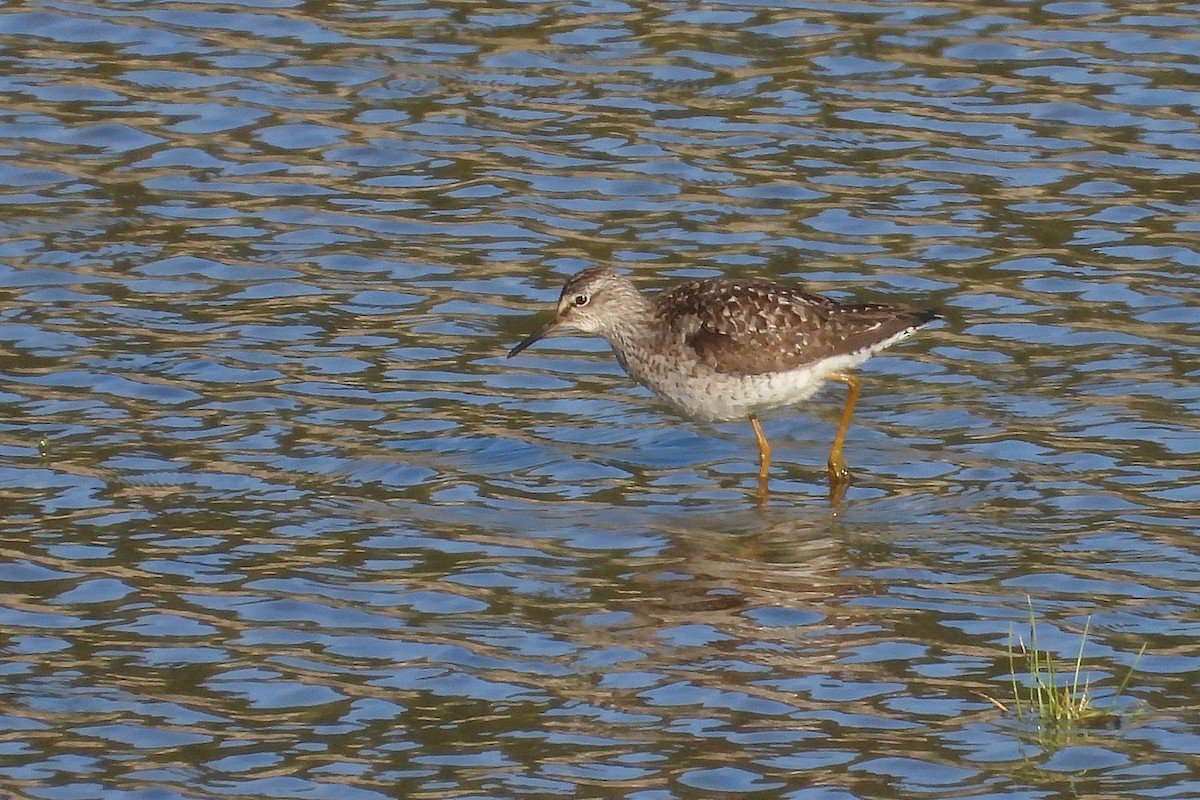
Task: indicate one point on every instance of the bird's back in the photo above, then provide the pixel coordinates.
(756, 327)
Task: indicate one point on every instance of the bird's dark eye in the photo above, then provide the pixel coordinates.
(581, 300)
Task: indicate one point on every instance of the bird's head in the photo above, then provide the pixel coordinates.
(593, 301)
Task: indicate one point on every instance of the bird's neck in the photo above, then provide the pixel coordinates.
(634, 335)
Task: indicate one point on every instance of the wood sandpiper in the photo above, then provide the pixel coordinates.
(721, 349)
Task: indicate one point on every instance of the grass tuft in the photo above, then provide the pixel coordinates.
(1049, 699)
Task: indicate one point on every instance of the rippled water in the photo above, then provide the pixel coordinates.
(280, 520)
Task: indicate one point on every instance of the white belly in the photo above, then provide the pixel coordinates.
(716, 397)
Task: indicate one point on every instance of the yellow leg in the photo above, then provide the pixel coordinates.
(839, 471)
(764, 457)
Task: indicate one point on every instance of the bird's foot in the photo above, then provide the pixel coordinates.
(839, 470)
(763, 493)
(839, 479)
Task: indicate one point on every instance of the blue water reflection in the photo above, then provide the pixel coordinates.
(280, 519)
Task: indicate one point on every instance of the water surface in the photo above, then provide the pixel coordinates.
(280, 520)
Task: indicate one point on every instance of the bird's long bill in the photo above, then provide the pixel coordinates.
(540, 333)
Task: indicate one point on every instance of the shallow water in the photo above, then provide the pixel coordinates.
(280, 520)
